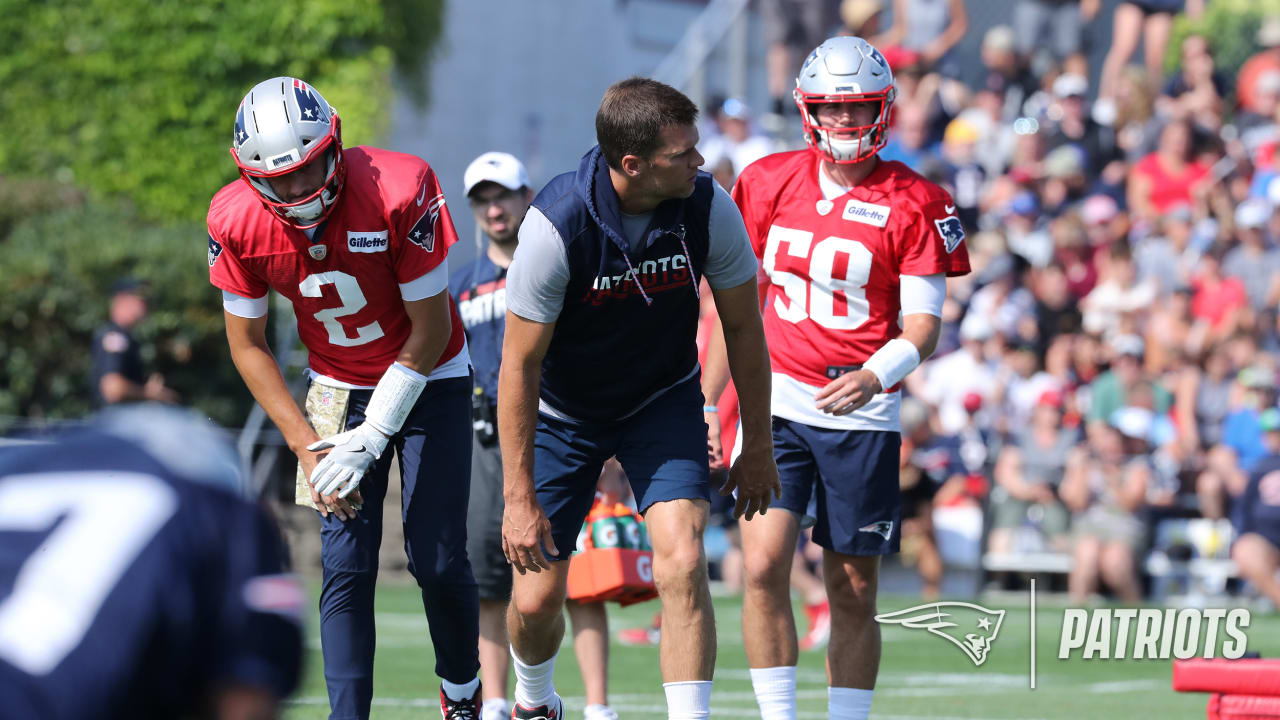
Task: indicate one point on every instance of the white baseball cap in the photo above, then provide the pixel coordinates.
(496, 167)
(1252, 213)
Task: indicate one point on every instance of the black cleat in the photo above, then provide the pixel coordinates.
(553, 710)
(460, 709)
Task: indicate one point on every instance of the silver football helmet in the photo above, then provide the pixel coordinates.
(841, 70)
(283, 124)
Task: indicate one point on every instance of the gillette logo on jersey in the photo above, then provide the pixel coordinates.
(368, 241)
(636, 302)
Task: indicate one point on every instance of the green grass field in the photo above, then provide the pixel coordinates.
(921, 676)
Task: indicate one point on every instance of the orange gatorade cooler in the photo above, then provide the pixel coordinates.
(613, 560)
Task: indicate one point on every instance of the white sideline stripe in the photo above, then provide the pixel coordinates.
(577, 703)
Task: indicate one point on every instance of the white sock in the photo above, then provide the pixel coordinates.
(533, 682)
(775, 692)
(495, 709)
(598, 712)
(465, 691)
(689, 700)
(848, 703)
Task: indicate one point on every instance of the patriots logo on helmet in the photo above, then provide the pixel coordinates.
(308, 105)
(972, 628)
(423, 233)
(214, 251)
(952, 232)
(241, 135)
(875, 55)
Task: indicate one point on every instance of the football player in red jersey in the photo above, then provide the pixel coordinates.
(356, 239)
(854, 254)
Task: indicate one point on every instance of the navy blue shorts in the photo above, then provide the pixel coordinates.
(856, 475)
(663, 449)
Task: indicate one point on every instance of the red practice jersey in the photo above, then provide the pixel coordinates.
(832, 264)
(389, 227)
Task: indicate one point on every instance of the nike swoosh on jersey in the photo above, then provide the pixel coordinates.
(949, 208)
(422, 195)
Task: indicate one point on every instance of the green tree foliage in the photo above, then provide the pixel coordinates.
(1231, 27)
(58, 268)
(120, 116)
(136, 98)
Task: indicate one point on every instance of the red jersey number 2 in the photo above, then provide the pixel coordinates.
(831, 290)
(353, 301)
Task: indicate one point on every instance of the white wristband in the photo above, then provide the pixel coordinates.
(892, 362)
(393, 398)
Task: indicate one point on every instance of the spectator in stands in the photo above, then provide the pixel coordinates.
(928, 27)
(736, 140)
(1073, 126)
(862, 18)
(1167, 177)
(1105, 487)
(1051, 26)
(1242, 429)
(1165, 255)
(945, 382)
(1005, 73)
(1112, 389)
(931, 467)
(1254, 261)
(1219, 304)
(1149, 21)
(1197, 90)
(1027, 475)
(1121, 294)
(792, 28)
(1249, 80)
(1256, 550)
(908, 143)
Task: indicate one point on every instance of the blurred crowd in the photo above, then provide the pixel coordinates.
(1111, 362)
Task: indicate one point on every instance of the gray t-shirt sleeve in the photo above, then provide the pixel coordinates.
(539, 272)
(730, 259)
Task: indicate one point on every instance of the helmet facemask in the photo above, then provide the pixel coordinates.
(846, 145)
(845, 70)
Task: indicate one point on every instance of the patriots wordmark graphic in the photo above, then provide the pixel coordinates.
(952, 232)
(972, 628)
(423, 233)
(883, 528)
(308, 105)
(214, 251)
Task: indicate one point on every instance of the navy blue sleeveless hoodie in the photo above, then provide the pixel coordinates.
(628, 329)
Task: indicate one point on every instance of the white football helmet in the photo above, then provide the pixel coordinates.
(840, 70)
(283, 124)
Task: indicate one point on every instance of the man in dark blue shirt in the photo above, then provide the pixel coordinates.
(136, 581)
(600, 360)
(118, 371)
(1257, 515)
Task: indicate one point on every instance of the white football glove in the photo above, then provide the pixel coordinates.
(351, 454)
